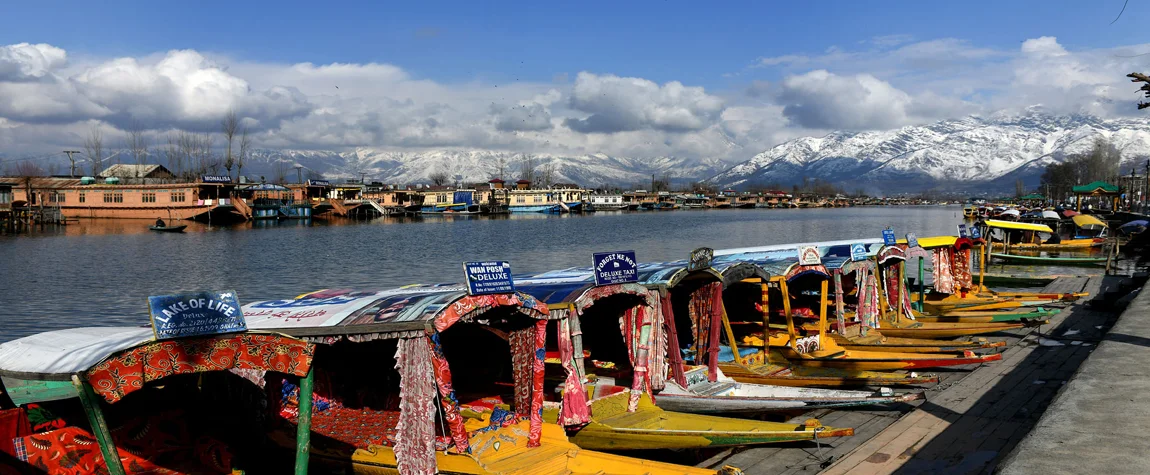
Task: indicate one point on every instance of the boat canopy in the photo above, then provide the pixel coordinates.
(1042, 228)
(1087, 221)
(390, 313)
(932, 242)
(117, 359)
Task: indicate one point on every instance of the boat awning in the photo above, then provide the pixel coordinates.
(1042, 228)
(932, 242)
(581, 295)
(1087, 221)
(394, 312)
(1099, 187)
(61, 353)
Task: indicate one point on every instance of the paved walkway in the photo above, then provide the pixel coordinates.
(1100, 423)
(969, 422)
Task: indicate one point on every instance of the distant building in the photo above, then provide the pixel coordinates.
(143, 174)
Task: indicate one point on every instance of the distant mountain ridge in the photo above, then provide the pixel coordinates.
(966, 153)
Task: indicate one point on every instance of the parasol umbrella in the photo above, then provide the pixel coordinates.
(1068, 213)
(1050, 214)
(1134, 227)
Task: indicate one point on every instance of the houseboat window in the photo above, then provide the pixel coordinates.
(55, 197)
(178, 197)
(110, 197)
(149, 198)
(520, 199)
(82, 196)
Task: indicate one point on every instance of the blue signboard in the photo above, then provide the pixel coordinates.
(193, 314)
(911, 240)
(962, 232)
(858, 252)
(215, 179)
(975, 233)
(888, 237)
(318, 183)
(491, 277)
(616, 267)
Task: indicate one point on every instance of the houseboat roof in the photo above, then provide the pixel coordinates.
(495, 180)
(389, 313)
(523, 181)
(124, 170)
(264, 187)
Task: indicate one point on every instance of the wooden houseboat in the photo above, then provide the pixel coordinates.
(208, 200)
(608, 202)
(270, 201)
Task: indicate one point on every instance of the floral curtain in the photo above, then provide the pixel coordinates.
(535, 431)
(575, 411)
(657, 357)
(415, 432)
(961, 270)
(840, 309)
(636, 328)
(447, 395)
(943, 263)
(868, 299)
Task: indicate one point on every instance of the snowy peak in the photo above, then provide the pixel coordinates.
(966, 152)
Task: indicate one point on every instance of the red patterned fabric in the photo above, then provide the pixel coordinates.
(657, 357)
(868, 306)
(447, 395)
(156, 445)
(415, 429)
(575, 411)
(522, 343)
(471, 305)
(716, 329)
(13, 423)
(943, 262)
(535, 431)
(840, 310)
(129, 370)
(701, 310)
(963, 279)
(673, 349)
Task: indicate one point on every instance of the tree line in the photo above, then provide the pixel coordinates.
(1100, 163)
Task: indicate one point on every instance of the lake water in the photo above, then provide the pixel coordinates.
(100, 272)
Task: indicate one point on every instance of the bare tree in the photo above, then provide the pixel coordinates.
(547, 175)
(1019, 188)
(230, 125)
(94, 149)
(27, 171)
(137, 144)
(53, 169)
(527, 168)
(501, 167)
(172, 154)
(281, 171)
(243, 157)
(439, 178)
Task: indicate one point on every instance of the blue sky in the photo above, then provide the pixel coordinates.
(693, 42)
(719, 80)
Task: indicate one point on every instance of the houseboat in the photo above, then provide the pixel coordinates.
(271, 201)
(746, 200)
(694, 201)
(608, 202)
(208, 199)
(447, 200)
(721, 200)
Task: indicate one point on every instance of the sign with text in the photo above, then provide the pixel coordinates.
(911, 240)
(975, 232)
(962, 232)
(215, 179)
(810, 256)
(318, 183)
(491, 277)
(888, 238)
(700, 259)
(858, 252)
(616, 267)
(194, 314)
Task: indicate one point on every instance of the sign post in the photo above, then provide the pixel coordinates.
(858, 252)
(194, 314)
(489, 277)
(810, 256)
(700, 259)
(615, 267)
(888, 238)
(962, 232)
(911, 240)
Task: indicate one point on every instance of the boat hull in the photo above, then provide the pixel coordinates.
(792, 375)
(885, 360)
(747, 398)
(1052, 261)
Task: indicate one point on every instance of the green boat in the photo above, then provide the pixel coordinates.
(1066, 261)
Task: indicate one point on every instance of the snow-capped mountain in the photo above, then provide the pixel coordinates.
(960, 153)
(482, 165)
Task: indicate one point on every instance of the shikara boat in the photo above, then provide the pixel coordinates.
(169, 229)
(594, 317)
(463, 394)
(172, 406)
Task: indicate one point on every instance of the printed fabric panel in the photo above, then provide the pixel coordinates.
(575, 411)
(415, 430)
(961, 270)
(129, 370)
(943, 274)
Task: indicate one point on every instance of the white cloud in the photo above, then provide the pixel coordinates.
(823, 100)
(618, 104)
(28, 62)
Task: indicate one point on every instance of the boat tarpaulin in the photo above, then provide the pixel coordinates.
(56, 355)
(1087, 221)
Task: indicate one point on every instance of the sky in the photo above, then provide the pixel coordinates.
(720, 80)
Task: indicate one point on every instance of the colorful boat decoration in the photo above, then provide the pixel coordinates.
(147, 385)
(486, 416)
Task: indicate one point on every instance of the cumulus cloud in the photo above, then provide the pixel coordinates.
(618, 104)
(524, 117)
(823, 100)
(28, 62)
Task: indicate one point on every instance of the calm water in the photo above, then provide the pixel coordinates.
(101, 272)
